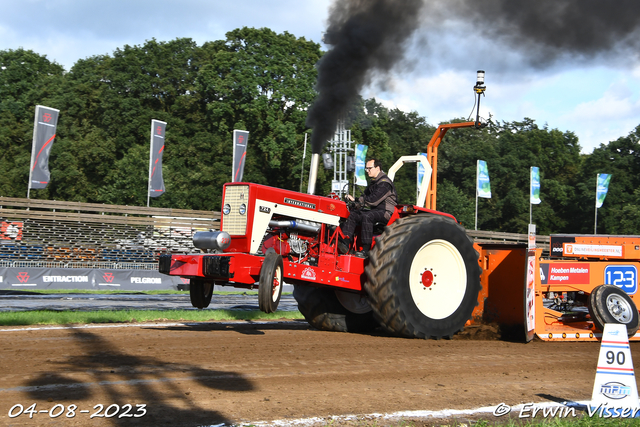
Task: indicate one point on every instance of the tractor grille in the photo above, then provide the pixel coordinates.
(235, 224)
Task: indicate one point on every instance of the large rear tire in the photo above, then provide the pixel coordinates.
(200, 293)
(610, 304)
(321, 307)
(270, 284)
(423, 277)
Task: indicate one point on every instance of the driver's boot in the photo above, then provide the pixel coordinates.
(344, 244)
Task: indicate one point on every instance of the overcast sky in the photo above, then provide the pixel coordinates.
(596, 98)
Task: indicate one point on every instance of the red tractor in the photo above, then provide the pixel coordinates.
(421, 280)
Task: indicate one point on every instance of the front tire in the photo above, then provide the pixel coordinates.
(423, 277)
(200, 293)
(321, 307)
(270, 284)
(610, 304)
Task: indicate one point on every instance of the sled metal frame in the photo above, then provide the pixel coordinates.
(585, 272)
(503, 298)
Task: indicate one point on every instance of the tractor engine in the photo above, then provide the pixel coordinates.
(261, 219)
(296, 240)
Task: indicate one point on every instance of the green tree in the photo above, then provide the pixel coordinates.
(618, 214)
(262, 82)
(26, 80)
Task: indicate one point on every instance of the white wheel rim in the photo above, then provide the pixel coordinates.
(355, 303)
(277, 284)
(438, 279)
(619, 308)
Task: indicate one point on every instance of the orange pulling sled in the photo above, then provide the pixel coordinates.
(587, 281)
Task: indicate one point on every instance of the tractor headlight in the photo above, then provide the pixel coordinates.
(226, 209)
(243, 209)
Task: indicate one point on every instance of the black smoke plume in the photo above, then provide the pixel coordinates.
(367, 36)
(546, 31)
(370, 36)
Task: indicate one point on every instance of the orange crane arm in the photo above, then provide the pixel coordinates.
(432, 156)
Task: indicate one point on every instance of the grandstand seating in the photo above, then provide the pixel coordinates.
(51, 231)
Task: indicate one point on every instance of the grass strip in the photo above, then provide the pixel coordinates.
(50, 317)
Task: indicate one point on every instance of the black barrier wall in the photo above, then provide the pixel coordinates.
(85, 278)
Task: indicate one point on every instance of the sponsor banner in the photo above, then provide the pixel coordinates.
(602, 188)
(531, 245)
(156, 182)
(483, 187)
(571, 273)
(11, 230)
(44, 132)
(529, 298)
(79, 278)
(556, 244)
(240, 140)
(592, 250)
(534, 193)
(361, 161)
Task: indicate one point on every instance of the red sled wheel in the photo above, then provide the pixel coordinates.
(270, 284)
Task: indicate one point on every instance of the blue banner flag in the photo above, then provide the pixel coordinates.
(602, 188)
(421, 169)
(483, 187)
(361, 156)
(535, 186)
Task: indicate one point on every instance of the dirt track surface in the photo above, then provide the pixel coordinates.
(216, 373)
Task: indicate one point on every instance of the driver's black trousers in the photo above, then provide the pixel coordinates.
(366, 219)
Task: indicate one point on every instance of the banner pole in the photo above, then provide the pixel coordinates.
(477, 183)
(595, 221)
(476, 226)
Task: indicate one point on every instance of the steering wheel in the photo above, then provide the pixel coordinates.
(351, 205)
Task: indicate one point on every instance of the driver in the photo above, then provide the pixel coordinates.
(380, 197)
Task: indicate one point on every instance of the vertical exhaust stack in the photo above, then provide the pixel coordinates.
(313, 173)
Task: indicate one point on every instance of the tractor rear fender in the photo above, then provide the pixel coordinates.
(406, 210)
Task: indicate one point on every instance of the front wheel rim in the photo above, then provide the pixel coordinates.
(438, 279)
(277, 284)
(619, 308)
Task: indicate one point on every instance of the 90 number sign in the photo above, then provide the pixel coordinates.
(623, 276)
(615, 357)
